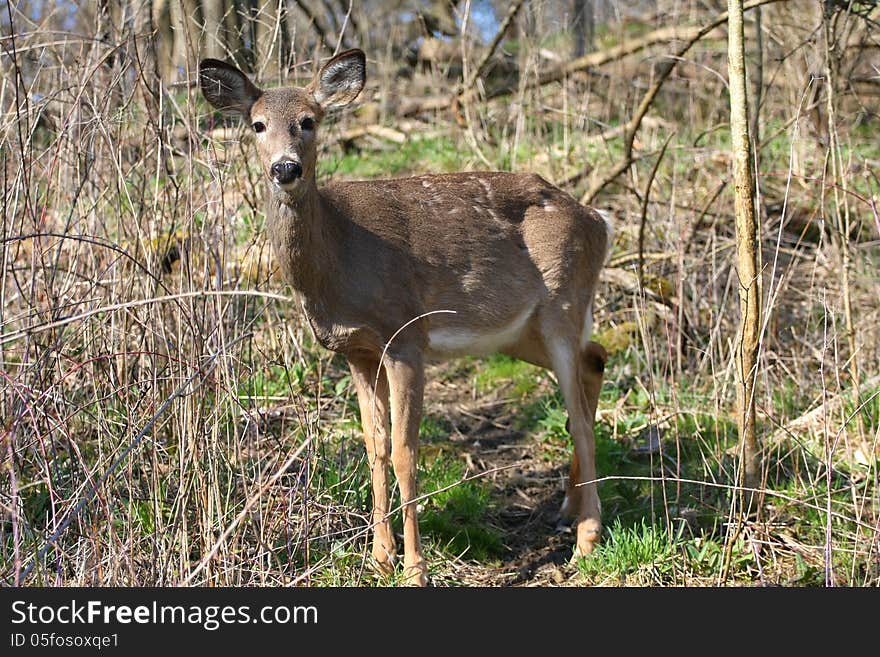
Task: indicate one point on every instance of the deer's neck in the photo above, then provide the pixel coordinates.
(305, 238)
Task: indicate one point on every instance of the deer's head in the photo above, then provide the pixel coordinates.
(285, 121)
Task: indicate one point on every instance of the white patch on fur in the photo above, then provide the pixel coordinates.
(609, 226)
(451, 341)
(562, 360)
(549, 207)
(587, 328)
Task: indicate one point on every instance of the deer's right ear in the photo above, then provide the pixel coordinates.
(227, 88)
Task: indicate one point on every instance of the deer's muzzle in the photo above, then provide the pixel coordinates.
(286, 171)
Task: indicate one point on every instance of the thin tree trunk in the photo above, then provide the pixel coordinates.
(584, 26)
(755, 131)
(164, 44)
(187, 35)
(215, 28)
(757, 80)
(192, 12)
(270, 34)
(145, 38)
(178, 41)
(747, 251)
(232, 16)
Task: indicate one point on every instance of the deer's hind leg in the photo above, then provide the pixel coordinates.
(592, 370)
(592, 367)
(562, 345)
(373, 401)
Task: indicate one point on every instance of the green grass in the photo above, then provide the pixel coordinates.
(516, 377)
(646, 540)
(455, 519)
(415, 155)
(434, 428)
(274, 381)
(641, 553)
(626, 550)
(452, 517)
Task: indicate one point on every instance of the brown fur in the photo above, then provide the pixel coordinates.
(514, 257)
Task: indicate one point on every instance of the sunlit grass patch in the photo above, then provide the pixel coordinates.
(627, 550)
(417, 154)
(513, 375)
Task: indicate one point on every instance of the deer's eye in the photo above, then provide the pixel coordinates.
(307, 123)
(259, 126)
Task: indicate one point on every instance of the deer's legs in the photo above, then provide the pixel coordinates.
(567, 365)
(374, 418)
(406, 378)
(593, 359)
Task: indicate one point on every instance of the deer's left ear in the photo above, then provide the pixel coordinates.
(340, 80)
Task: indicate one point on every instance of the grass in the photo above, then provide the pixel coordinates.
(437, 154)
(627, 550)
(517, 378)
(642, 554)
(456, 517)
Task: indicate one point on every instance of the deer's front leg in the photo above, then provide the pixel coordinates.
(373, 402)
(406, 379)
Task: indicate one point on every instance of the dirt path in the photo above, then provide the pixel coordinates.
(526, 490)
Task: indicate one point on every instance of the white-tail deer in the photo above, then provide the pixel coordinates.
(514, 257)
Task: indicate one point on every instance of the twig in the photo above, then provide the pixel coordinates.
(38, 328)
(202, 372)
(241, 515)
(635, 122)
(499, 35)
(645, 197)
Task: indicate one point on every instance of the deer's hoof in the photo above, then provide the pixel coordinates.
(416, 574)
(588, 534)
(384, 559)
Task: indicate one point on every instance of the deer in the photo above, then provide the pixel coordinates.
(397, 273)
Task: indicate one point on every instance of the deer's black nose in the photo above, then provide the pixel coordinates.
(285, 171)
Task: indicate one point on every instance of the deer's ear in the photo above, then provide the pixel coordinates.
(340, 80)
(227, 88)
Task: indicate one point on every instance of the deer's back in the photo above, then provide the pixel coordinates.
(490, 246)
(452, 219)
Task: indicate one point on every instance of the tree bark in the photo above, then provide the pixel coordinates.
(215, 29)
(747, 253)
(232, 17)
(270, 34)
(144, 39)
(164, 42)
(584, 26)
(178, 42)
(757, 80)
